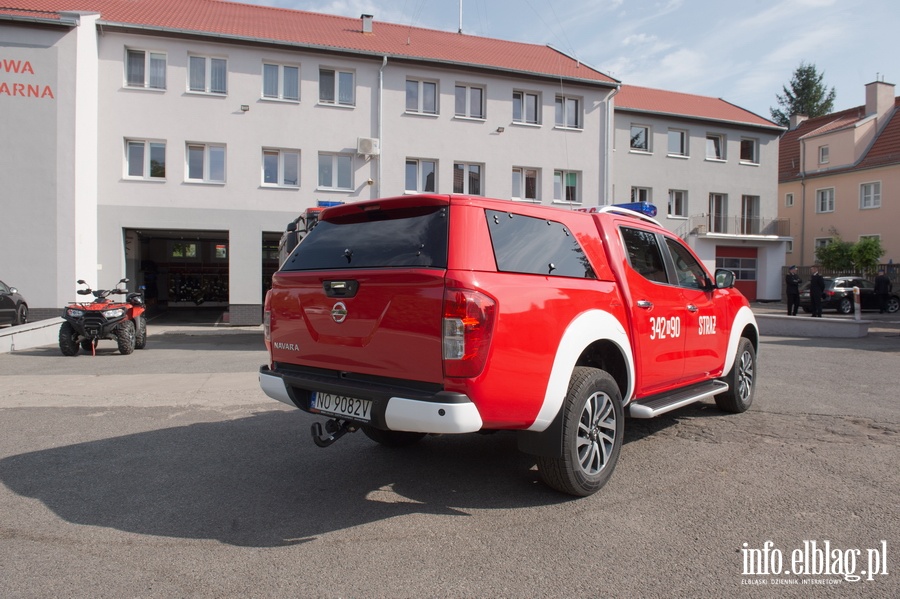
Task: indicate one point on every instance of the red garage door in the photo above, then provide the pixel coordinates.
(742, 261)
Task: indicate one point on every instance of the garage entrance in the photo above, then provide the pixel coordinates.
(743, 261)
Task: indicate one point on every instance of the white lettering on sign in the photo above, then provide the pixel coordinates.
(707, 325)
(664, 328)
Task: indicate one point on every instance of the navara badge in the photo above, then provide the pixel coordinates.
(339, 312)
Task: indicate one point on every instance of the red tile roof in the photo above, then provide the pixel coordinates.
(657, 101)
(884, 151)
(320, 31)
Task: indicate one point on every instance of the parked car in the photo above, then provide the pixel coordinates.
(839, 296)
(13, 308)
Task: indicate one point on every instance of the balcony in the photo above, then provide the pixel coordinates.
(705, 224)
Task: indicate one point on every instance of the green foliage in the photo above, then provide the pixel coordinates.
(807, 95)
(836, 255)
(866, 254)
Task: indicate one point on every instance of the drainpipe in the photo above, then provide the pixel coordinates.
(802, 201)
(380, 124)
(607, 146)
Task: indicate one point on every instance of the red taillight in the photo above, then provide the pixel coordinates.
(467, 327)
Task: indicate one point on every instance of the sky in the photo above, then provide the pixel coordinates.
(742, 51)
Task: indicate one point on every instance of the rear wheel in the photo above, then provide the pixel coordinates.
(893, 304)
(741, 380)
(392, 438)
(21, 314)
(140, 333)
(593, 424)
(68, 339)
(125, 337)
(846, 306)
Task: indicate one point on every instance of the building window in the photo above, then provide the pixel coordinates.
(750, 218)
(281, 82)
(718, 213)
(715, 147)
(336, 87)
(640, 138)
(526, 108)
(788, 199)
(821, 242)
(208, 75)
(870, 195)
(749, 150)
(823, 154)
(467, 178)
(145, 159)
(421, 175)
(825, 200)
(744, 269)
(206, 163)
(678, 142)
(640, 194)
(525, 184)
(565, 186)
(789, 246)
(281, 168)
(336, 171)
(875, 237)
(568, 112)
(421, 96)
(678, 203)
(145, 69)
(470, 101)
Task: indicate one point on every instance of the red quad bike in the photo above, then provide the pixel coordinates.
(86, 323)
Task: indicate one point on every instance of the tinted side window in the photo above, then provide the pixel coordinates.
(687, 269)
(644, 255)
(408, 237)
(536, 246)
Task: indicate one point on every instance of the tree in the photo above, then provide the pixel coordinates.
(866, 254)
(807, 95)
(836, 255)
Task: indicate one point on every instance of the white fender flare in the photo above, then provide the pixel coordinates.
(584, 330)
(743, 318)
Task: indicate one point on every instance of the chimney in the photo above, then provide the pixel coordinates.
(366, 23)
(795, 120)
(879, 98)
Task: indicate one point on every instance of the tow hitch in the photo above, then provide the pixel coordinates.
(334, 430)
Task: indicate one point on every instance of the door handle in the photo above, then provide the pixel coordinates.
(644, 304)
(692, 308)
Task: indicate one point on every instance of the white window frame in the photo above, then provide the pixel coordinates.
(468, 170)
(338, 161)
(718, 221)
(419, 99)
(823, 154)
(870, 236)
(421, 166)
(520, 177)
(674, 201)
(789, 199)
(870, 195)
(819, 242)
(825, 200)
(149, 80)
(719, 156)
(564, 107)
(282, 93)
(683, 142)
(146, 163)
(464, 92)
(212, 155)
(635, 133)
(754, 159)
(521, 101)
(340, 76)
(641, 194)
(285, 160)
(560, 186)
(789, 246)
(209, 73)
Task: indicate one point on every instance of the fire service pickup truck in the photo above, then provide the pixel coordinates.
(435, 314)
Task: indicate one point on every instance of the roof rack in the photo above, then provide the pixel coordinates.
(625, 212)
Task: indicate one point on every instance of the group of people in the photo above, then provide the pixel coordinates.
(883, 287)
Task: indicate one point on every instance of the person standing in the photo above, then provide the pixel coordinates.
(792, 283)
(883, 288)
(816, 290)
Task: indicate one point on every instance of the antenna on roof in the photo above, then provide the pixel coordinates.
(460, 16)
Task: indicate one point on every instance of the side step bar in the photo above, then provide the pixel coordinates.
(652, 408)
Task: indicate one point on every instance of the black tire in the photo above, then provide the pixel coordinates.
(845, 306)
(741, 380)
(593, 426)
(392, 438)
(893, 304)
(125, 337)
(87, 345)
(140, 333)
(68, 340)
(21, 314)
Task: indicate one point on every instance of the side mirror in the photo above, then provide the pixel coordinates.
(81, 282)
(724, 279)
(291, 226)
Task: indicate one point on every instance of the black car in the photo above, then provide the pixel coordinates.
(839, 296)
(13, 309)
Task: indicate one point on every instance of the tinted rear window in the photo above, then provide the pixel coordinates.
(536, 246)
(408, 237)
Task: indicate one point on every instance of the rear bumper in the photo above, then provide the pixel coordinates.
(393, 407)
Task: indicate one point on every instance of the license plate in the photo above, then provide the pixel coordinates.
(341, 405)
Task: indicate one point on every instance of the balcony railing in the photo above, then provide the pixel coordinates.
(704, 224)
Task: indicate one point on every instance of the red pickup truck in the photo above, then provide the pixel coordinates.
(455, 314)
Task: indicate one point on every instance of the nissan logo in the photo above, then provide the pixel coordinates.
(339, 312)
